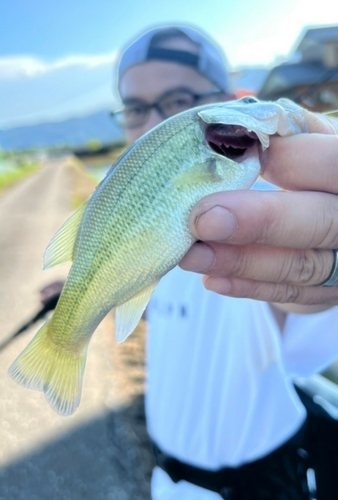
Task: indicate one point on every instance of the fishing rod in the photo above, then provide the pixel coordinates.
(48, 305)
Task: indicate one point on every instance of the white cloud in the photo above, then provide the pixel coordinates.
(12, 68)
(35, 90)
(16, 67)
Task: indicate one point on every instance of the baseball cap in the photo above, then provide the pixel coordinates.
(209, 61)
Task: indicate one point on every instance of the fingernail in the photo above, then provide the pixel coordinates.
(217, 223)
(199, 259)
(217, 285)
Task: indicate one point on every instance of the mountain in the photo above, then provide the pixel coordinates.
(74, 132)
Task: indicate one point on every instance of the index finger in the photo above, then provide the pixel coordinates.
(304, 162)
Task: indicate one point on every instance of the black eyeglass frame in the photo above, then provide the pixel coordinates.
(157, 104)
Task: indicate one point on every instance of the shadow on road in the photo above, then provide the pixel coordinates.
(119, 471)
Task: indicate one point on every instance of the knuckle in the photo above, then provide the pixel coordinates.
(269, 226)
(261, 219)
(286, 271)
(286, 293)
(274, 224)
(307, 267)
(233, 261)
(291, 294)
(327, 225)
(311, 267)
(301, 267)
(239, 265)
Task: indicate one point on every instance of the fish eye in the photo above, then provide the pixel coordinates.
(249, 100)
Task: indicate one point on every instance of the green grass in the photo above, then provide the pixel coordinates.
(18, 173)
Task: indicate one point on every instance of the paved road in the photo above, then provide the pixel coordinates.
(102, 452)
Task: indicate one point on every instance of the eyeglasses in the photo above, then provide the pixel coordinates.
(136, 112)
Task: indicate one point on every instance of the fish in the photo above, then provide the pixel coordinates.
(134, 229)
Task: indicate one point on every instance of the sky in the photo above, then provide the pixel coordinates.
(57, 58)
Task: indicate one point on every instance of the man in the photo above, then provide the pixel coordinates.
(168, 81)
(221, 408)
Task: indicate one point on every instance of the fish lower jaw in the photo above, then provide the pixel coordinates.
(252, 163)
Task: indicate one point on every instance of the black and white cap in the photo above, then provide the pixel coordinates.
(209, 61)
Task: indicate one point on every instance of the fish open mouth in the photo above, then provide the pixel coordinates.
(232, 141)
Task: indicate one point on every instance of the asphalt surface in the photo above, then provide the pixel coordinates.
(102, 451)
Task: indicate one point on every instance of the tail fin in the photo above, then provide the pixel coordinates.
(48, 367)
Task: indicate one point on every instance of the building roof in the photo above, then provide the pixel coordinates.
(286, 76)
(321, 34)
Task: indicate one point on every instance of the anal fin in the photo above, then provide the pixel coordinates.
(128, 315)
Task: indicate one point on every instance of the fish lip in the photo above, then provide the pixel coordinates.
(234, 142)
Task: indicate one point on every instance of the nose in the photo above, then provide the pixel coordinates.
(154, 119)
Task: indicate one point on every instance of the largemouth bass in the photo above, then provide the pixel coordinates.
(134, 229)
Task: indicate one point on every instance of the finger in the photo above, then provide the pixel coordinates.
(318, 123)
(278, 265)
(272, 292)
(268, 218)
(303, 162)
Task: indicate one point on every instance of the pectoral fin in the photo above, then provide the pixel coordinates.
(128, 315)
(60, 250)
(201, 173)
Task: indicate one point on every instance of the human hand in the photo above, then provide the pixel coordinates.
(51, 290)
(275, 246)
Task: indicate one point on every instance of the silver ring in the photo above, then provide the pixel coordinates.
(332, 279)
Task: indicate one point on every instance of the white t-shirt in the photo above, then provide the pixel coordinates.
(220, 389)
